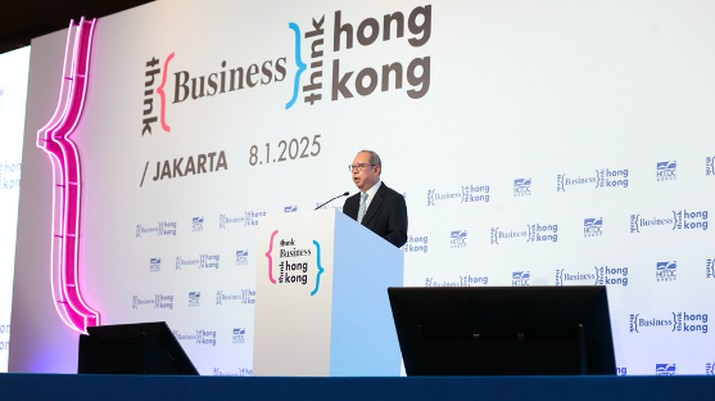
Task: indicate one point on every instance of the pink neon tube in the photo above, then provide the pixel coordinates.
(54, 139)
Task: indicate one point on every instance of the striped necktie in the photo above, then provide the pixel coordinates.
(361, 210)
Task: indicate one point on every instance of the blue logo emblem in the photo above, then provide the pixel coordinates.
(593, 227)
(520, 278)
(197, 224)
(239, 335)
(194, 298)
(665, 171)
(665, 369)
(522, 187)
(666, 271)
(242, 257)
(458, 239)
(154, 265)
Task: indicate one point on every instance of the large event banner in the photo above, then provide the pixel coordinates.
(536, 143)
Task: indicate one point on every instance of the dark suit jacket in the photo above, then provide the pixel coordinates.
(386, 216)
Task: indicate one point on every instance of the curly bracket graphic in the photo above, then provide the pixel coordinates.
(298, 63)
(54, 139)
(270, 258)
(162, 93)
(320, 268)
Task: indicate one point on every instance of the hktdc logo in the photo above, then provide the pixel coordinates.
(593, 227)
(520, 278)
(665, 369)
(522, 187)
(197, 224)
(238, 336)
(154, 265)
(242, 257)
(665, 170)
(194, 299)
(458, 239)
(666, 271)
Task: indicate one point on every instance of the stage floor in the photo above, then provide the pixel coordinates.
(69, 387)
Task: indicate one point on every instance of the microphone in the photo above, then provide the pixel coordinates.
(346, 193)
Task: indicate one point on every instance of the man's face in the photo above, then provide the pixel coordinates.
(367, 176)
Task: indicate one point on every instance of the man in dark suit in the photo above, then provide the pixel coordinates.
(377, 207)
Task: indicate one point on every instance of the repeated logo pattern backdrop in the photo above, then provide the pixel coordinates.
(13, 94)
(535, 143)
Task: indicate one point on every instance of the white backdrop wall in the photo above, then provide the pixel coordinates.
(537, 143)
(14, 68)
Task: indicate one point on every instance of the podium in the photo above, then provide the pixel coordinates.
(321, 298)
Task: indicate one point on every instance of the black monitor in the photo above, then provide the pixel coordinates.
(139, 348)
(503, 330)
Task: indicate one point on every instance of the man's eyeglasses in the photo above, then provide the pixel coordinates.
(359, 167)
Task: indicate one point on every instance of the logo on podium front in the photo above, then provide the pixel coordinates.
(293, 262)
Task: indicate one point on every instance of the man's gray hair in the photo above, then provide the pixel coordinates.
(374, 158)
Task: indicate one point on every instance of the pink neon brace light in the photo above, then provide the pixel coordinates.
(54, 139)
